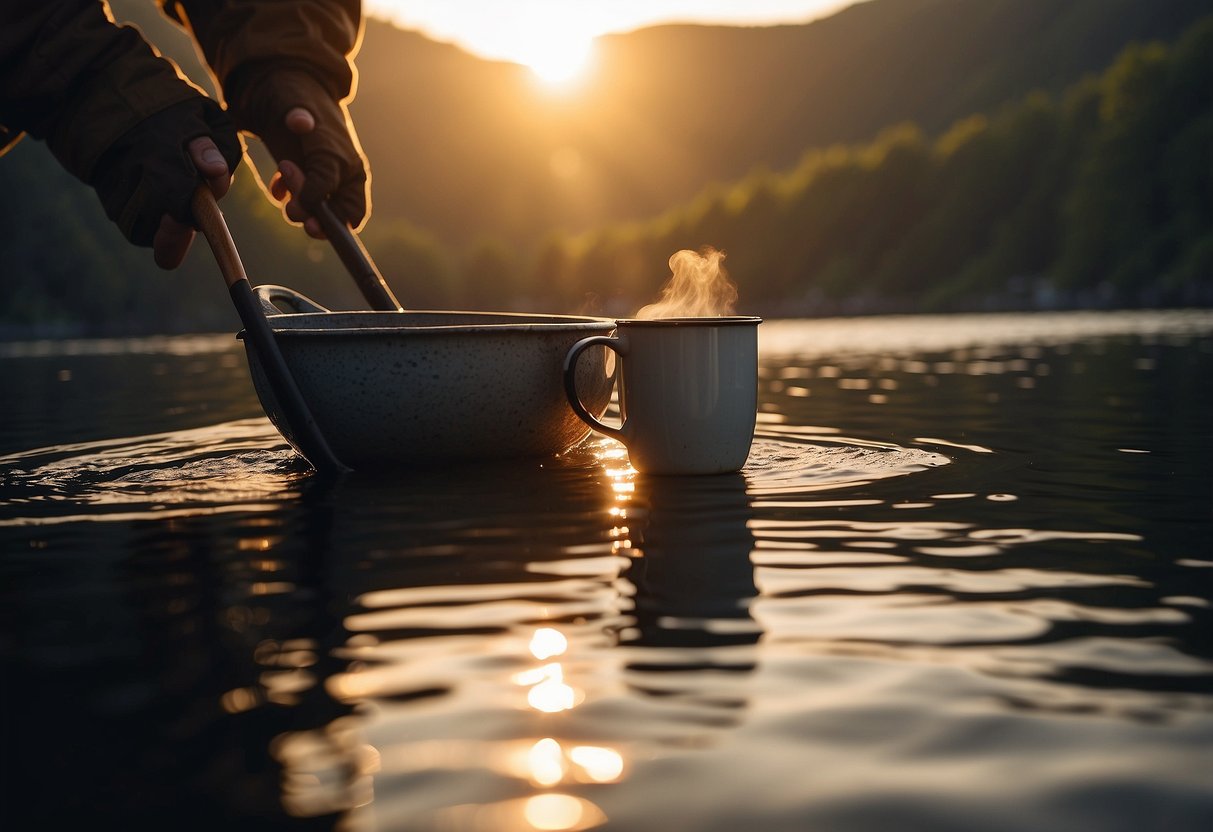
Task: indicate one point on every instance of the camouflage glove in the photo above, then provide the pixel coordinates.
(147, 172)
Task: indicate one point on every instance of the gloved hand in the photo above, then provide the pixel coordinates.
(147, 178)
(301, 122)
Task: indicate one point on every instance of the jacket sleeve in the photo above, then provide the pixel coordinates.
(72, 78)
(239, 38)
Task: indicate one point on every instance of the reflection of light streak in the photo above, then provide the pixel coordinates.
(240, 699)
(537, 674)
(554, 811)
(548, 693)
(547, 643)
(325, 770)
(546, 762)
(271, 587)
(602, 765)
(552, 695)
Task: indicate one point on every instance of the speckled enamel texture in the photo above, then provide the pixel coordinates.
(392, 387)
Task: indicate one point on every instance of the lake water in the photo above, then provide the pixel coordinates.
(964, 583)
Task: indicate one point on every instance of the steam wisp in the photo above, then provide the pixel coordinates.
(700, 288)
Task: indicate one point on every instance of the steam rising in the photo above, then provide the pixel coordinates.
(700, 288)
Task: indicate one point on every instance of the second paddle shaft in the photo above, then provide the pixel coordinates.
(357, 260)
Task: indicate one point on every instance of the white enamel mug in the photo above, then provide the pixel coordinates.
(688, 392)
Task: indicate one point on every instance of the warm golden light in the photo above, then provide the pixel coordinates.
(555, 40)
(554, 811)
(547, 643)
(552, 695)
(557, 812)
(557, 61)
(325, 770)
(498, 30)
(546, 762)
(548, 691)
(602, 765)
(535, 675)
(238, 700)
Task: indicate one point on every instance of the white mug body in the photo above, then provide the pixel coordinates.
(688, 393)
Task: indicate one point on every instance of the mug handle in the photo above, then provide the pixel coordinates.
(570, 380)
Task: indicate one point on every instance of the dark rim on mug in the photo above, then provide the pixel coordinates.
(722, 320)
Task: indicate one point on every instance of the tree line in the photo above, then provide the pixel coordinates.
(1101, 196)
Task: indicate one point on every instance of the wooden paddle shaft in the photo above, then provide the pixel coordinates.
(214, 228)
(357, 260)
(305, 434)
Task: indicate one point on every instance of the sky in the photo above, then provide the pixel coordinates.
(555, 37)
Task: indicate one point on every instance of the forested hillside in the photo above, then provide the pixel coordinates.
(490, 192)
(468, 149)
(1102, 196)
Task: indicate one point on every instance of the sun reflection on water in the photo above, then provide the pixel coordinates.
(548, 642)
(601, 765)
(548, 692)
(548, 762)
(561, 811)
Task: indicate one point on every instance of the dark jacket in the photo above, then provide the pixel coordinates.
(70, 77)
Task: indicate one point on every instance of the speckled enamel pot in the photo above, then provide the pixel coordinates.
(391, 387)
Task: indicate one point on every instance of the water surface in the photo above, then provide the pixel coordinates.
(963, 583)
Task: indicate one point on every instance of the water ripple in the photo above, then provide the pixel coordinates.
(220, 466)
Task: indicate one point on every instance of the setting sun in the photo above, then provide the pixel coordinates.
(556, 48)
(559, 61)
(554, 40)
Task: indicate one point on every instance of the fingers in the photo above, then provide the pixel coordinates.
(300, 121)
(210, 164)
(288, 178)
(295, 190)
(350, 201)
(285, 187)
(172, 239)
(171, 242)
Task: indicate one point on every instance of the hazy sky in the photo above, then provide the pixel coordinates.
(554, 36)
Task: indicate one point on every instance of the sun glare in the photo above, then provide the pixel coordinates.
(556, 46)
(553, 38)
(559, 61)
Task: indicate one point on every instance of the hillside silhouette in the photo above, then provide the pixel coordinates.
(467, 148)
(480, 174)
(1099, 197)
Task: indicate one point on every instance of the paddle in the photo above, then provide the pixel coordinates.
(356, 260)
(304, 431)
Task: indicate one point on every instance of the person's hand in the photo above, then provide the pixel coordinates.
(173, 238)
(310, 134)
(290, 179)
(147, 178)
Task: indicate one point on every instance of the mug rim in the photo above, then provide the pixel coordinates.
(712, 320)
